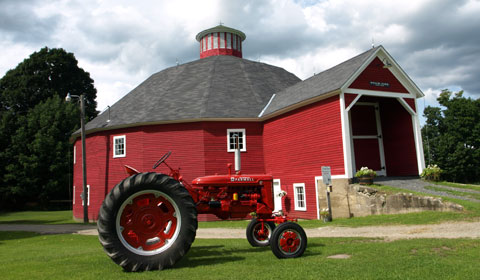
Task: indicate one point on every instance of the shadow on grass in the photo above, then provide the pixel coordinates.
(207, 255)
(37, 222)
(13, 235)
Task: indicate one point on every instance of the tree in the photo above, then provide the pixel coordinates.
(36, 123)
(452, 136)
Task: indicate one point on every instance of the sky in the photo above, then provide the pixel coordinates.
(122, 42)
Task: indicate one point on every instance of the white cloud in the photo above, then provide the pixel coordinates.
(122, 42)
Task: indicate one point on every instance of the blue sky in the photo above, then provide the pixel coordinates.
(121, 43)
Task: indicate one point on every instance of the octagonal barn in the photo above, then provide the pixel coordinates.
(361, 112)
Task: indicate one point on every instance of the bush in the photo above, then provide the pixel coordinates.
(431, 173)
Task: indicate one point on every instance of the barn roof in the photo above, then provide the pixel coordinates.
(226, 88)
(319, 84)
(217, 87)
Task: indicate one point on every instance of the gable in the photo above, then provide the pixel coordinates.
(377, 78)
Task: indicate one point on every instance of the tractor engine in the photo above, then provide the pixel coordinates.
(234, 196)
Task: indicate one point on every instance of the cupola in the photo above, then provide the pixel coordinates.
(220, 40)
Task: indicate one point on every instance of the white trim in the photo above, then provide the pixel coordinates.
(115, 155)
(266, 106)
(396, 71)
(295, 194)
(346, 137)
(74, 154)
(73, 198)
(354, 101)
(418, 142)
(275, 195)
(378, 93)
(88, 198)
(406, 106)
(316, 195)
(244, 139)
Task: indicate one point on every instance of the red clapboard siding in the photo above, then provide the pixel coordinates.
(216, 155)
(296, 146)
(376, 73)
(398, 140)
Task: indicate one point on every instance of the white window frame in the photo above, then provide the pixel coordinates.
(244, 139)
(88, 198)
(115, 155)
(74, 154)
(295, 197)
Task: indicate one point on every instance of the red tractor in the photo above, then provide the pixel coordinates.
(149, 220)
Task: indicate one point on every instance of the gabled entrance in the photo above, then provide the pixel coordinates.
(366, 129)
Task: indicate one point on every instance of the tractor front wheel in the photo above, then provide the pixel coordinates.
(259, 233)
(288, 241)
(147, 222)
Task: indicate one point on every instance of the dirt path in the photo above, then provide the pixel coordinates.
(444, 230)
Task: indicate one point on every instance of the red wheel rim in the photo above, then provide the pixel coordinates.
(148, 222)
(290, 241)
(261, 236)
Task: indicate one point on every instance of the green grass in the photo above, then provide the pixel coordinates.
(26, 255)
(37, 217)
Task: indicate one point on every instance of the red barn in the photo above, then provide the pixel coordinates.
(361, 112)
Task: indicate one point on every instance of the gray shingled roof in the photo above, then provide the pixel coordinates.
(319, 84)
(213, 87)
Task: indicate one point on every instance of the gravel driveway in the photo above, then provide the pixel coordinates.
(418, 185)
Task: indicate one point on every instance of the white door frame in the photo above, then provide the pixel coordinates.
(379, 136)
(277, 199)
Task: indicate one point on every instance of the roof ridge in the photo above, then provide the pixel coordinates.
(206, 94)
(245, 74)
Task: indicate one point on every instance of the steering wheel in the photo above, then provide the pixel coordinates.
(162, 159)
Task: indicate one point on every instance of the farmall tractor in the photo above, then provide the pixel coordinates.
(149, 220)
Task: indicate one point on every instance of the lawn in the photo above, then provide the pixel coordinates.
(27, 255)
(37, 217)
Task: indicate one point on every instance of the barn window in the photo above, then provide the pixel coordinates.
(119, 146)
(232, 135)
(299, 196)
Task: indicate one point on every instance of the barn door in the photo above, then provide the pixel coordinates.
(367, 137)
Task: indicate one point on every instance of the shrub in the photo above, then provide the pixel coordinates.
(431, 173)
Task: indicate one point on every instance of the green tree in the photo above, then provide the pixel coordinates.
(36, 123)
(452, 136)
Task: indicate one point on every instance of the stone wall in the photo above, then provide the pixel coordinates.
(352, 200)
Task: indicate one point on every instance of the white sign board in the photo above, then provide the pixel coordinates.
(326, 175)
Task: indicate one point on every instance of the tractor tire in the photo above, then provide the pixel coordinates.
(147, 222)
(253, 235)
(288, 241)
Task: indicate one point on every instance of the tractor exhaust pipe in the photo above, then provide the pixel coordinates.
(238, 160)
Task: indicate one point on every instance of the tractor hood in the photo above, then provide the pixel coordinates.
(222, 180)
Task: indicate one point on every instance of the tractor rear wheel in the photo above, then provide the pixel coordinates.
(258, 237)
(288, 241)
(147, 222)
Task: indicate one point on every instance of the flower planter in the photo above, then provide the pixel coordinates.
(365, 180)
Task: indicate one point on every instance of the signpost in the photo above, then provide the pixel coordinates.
(327, 180)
